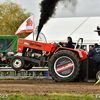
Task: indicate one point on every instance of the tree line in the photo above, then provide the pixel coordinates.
(12, 16)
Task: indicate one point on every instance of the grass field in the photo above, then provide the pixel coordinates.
(47, 97)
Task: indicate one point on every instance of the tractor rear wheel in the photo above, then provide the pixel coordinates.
(17, 63)
(64, 66)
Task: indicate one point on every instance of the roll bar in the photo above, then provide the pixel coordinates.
(80, 39)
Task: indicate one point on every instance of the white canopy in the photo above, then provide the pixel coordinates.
(58, 29)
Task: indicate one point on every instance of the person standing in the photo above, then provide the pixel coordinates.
(85, 50)
(95, 54)
(91, 48)
(2, 62)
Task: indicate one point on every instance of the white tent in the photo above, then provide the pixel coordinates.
(58, 29)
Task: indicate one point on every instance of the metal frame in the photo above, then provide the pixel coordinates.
(80, 39)
(33, 69)
(2, 69)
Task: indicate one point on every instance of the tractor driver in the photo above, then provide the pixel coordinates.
(95, 54)
(69, 44)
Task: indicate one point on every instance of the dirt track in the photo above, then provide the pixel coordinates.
(47, 86)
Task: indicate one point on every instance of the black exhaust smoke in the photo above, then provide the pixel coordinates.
(47, 9)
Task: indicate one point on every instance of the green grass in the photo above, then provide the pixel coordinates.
(49, 97)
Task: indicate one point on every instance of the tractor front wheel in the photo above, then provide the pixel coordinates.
(17, 63)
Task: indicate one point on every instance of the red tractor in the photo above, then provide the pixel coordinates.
(65, 64)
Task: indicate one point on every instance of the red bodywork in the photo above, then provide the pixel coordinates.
(47, 47)
(82, 54)
(35, 45)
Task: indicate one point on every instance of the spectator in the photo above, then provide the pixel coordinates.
(21, 73)
(29, 72)
(85, 49)
(15, 73)
(95, 54)
(37, 73)
(2, 62)
(2, 59)
(91, 48)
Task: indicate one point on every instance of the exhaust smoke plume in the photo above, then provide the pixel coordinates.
(47, 9)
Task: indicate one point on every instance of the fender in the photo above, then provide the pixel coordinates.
(82, 54)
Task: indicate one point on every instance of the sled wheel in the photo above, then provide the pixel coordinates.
(64, 66)
(98, 75)
(17, 63)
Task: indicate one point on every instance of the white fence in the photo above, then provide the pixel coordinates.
(23, 73)
(33, 69)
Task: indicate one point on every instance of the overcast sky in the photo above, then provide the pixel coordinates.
(84, 8)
